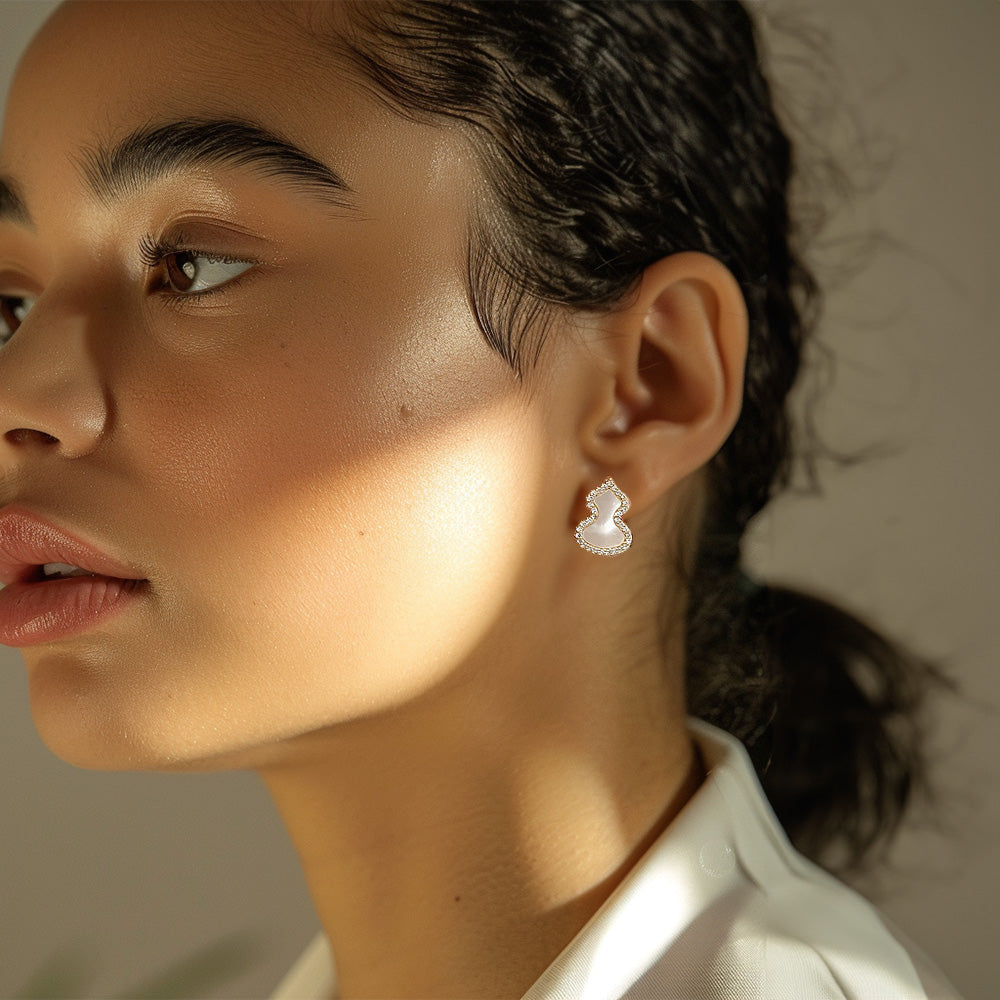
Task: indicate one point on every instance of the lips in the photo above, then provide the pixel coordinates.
(55, 585)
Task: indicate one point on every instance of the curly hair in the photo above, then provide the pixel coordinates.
(612, 135)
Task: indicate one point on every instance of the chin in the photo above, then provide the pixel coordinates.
(81, 740)
(87, 717)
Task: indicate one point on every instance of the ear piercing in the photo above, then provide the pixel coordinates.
(604, 533)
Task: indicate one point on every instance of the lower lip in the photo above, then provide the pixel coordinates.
(46, 610)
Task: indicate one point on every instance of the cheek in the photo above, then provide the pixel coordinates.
(328, 531)
(381, 584)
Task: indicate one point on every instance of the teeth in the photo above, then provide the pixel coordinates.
(63, 570)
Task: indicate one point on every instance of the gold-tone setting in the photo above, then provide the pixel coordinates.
(608, 486)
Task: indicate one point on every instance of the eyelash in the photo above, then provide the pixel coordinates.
(154, 252)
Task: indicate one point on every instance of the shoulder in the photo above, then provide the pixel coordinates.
(783, 927)
(816, 942)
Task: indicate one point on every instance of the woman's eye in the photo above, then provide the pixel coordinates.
(188, 272)
(13, 309)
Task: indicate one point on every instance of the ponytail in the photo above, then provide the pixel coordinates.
(828, 708)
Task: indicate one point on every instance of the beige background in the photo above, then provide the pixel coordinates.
(117, 876)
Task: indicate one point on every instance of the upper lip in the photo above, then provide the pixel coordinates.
(28, 542)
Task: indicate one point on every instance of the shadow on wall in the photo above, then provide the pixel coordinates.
(70, 975)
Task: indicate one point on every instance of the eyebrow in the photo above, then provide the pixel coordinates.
(113, 172)
(149, 153)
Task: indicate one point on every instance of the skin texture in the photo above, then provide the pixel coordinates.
(356, 524)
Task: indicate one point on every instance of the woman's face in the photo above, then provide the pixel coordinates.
(310, 464)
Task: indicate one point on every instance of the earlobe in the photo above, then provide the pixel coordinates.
(677, 355)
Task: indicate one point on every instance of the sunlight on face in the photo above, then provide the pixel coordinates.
(265, 386)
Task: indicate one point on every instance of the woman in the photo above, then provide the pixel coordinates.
(387, 389)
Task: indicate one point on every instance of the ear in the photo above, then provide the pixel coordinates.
(671, 384)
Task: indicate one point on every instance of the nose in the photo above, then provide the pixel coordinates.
(51, 396)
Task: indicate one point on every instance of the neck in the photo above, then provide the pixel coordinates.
(454, 847)
(462, 868)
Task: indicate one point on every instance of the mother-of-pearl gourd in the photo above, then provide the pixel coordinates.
(604, 533)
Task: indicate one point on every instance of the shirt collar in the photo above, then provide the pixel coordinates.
(694, 862)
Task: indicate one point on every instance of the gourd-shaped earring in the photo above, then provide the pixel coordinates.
(605, 533)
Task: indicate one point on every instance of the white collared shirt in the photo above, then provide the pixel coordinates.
(721, 907)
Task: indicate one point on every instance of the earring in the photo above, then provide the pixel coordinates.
(604, 533)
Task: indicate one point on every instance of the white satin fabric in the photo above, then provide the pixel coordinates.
(720, 908)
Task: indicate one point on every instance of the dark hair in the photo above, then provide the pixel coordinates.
(612, 135)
